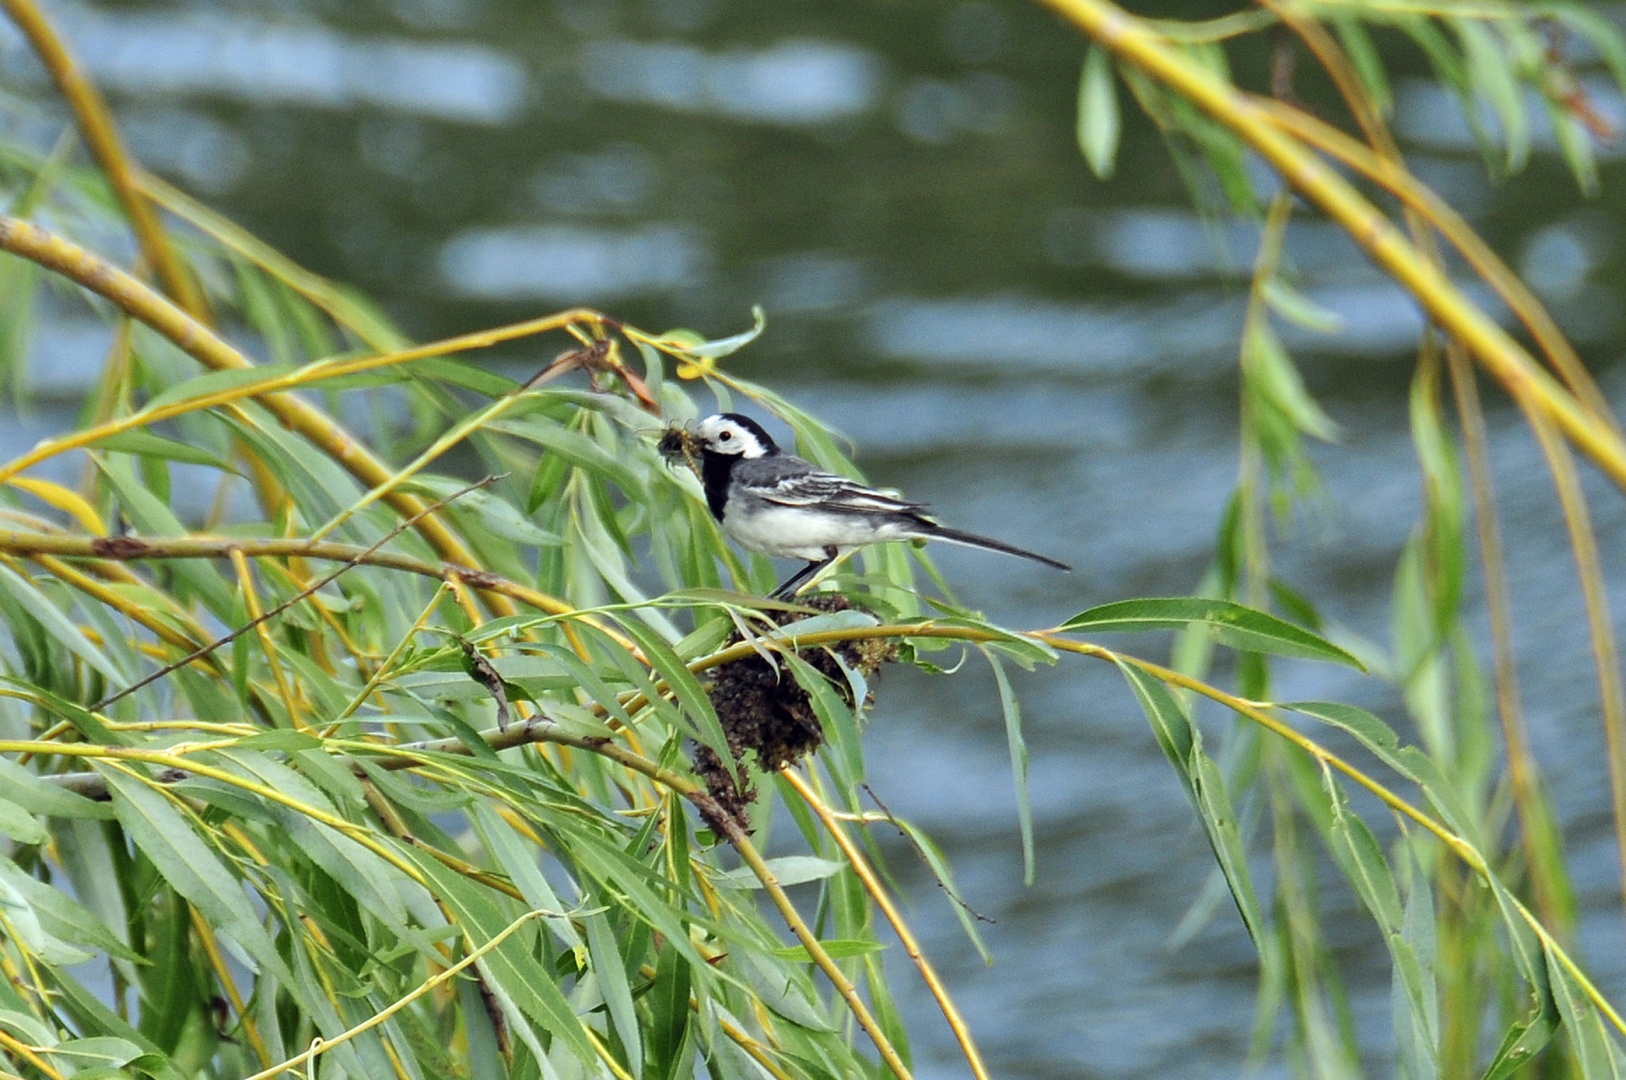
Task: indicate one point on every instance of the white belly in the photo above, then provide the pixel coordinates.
(805, 534)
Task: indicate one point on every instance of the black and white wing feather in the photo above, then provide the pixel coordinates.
(836, 494)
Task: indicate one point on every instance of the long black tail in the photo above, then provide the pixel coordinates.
(955, 536)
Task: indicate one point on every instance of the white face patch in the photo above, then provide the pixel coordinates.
(724, 436)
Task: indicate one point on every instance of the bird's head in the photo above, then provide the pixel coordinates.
(733, 435)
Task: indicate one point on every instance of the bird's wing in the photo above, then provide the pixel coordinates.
(831, 492)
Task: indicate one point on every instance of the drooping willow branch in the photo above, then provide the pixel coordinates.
(101, 136)
(29, 241)
(1137, 44)
(412, 755)
(536, 730)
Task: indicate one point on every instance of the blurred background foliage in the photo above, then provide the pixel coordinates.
(351, 689)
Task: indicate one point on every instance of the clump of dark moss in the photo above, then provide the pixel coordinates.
(767, 715)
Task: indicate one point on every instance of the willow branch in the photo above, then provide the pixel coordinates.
(129, 548)
(28, 241)
(900, 926)
(1137, 45)
(540, 729)
(236, 553)
(96, 125)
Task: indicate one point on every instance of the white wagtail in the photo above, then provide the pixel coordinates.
(778, 504)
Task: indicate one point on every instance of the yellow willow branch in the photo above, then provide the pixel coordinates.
(804, 934)
(122, 548)
(48, 549)
(1420, 199)
(321, 1046)
(308, 375)
(1606, 657)
(1137, 45)
(228, 985)
(1521, 765)
(96, 125)
(130, 609)
(195, 339)
(541, 730)
(877, 892)
(28, 1054)
(1425, 212)
(535, 730)
(179, 758)
(268, 644)
(1460, 847)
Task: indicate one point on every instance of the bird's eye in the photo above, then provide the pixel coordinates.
(725, 436)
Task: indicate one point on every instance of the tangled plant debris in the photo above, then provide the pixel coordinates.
(768, 715)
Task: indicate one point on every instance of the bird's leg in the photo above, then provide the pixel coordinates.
(785, 591)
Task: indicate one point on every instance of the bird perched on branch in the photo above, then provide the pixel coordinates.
(776, 503)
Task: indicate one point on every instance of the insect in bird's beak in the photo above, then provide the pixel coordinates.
(680, 444)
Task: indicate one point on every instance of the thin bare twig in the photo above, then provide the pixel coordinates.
(205, 650)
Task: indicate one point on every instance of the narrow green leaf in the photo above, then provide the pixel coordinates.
(1219, 821)
(1362, 859)
(1289, 303)
(1366, 60)
(716, 350)
(704, 726)
(56, 624)
(1575, 142)
(1099, 124)
(611, 972)
(19, 824)
(670, 1042)
(576, 447)
(1170, 726)
(839, 949)
(142, 443)
(787, 870)
(1490, 74)
(47, 798)
(61, 916)
(1523, 1041)
(1271, 371)
(510, 965)
(518, 861)
(1581, 1021)
(938, 863)
(1232, 624)
(31, 937)
(375, 885)
(284, 740)
(1018, 750)
(190, 867)
(1408, 761)
(98, 1052)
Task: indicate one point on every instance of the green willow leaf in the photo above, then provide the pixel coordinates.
(787, 870)
(56, 624)
(671, 1032)
(190, 867)
(142, 443)
(19, 824)
(1017, 748)
(510, 964)
(716, 350)
(839, 949)
(1231, 624)
(1524, 1039)
(1099, 123)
